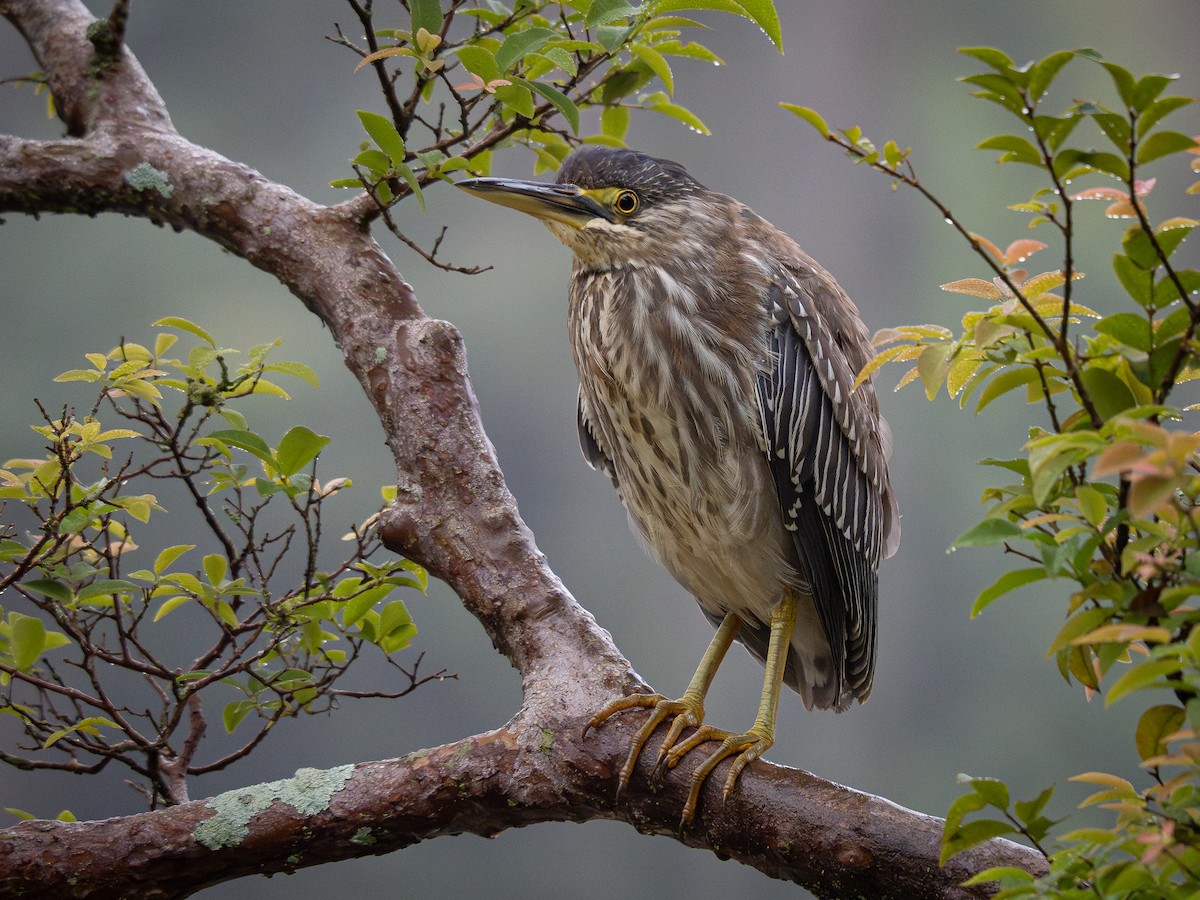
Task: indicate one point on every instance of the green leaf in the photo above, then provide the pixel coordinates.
(1159, 110)
(245, 440)
(87, 726)
(479, 61)
(171, 605)
(659, 103)
(657, 64)
(1124, 81)
(1007, 380)
(235, 712)
(185, 325)
(357, 607)
(1016, 149)
(559, 100)
(1110, 395)
(215, 568)
(1109, 163)
(1144, 675)
(1163, 143)
(1147, 89)
(1137, 246)
(1128, 328)
(1007, 582)
(1043, 73)
(992, 790)
(297, 449)
(426, 14)
(383, 132)
(760, 12)
(296, 369)
(988, 532)
(105, 587)
(520, 43)
(972, 834)
(811, 116)
(997, 59)
(999, 873)
(602, 12)
(517, 98)
(27, 639)
(55, 590)
(1155, 724)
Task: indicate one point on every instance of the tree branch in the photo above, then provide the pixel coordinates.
(455, 516)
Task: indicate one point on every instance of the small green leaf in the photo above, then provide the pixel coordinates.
(1007, 582)
(1016, 149)
(185, 325)
(426, 14)
(297, 449)
(997, 59)
(602, 12)
(215, 568)
(520, 43)
(1144, 675)
(55, 590)
(811, 116)
(1110, 395)
(1163, 143)
(1007, 380)
(988, 532)
(1128, 328)
(296, 369)
(170, 605)
(658, 65)
(245, 440)
(559, 101)
(999, 873)
(383, 132)
(27, 639)
(659, 103)
(1156, 724)
(235, 712)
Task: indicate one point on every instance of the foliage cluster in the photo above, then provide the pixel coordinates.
(1104, 496)
(91, 670)
(460, 81)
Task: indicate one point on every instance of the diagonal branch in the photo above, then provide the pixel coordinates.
(456, 516)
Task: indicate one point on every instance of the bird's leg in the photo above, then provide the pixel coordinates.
(754, 743)
(688, 710)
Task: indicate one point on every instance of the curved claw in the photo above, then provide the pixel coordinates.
(745, 748)
(686, 712)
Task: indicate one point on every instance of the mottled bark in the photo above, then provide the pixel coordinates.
(454, 515)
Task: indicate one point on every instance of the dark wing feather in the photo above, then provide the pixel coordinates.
(595, 457)
(828, 462)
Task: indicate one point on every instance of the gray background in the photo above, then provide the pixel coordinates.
(257, 82)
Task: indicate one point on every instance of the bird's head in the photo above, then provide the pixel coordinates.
(611, 206)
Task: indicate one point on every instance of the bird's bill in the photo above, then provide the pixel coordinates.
(564, 203)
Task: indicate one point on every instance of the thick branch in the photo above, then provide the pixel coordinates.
(786, 823)
(456, 516)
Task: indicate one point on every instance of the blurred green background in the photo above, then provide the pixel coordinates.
(257, 82)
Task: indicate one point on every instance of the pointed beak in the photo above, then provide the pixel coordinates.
(557, 202)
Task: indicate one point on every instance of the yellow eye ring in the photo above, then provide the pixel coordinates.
(626, 203)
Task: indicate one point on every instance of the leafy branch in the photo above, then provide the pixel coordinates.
(68, 551)
(1106, 498)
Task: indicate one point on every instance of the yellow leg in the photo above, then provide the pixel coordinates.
(752, 744)
(688, 710)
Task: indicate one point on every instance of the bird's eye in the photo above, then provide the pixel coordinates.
(626, 203)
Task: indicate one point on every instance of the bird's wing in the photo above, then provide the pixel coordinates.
(828, 454)
(592, 453)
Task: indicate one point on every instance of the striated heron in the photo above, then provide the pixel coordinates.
(716, 365)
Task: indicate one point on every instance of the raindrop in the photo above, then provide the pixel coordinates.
(948, 220)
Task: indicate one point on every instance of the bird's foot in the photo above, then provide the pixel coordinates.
(687, 712)
(745, 748)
